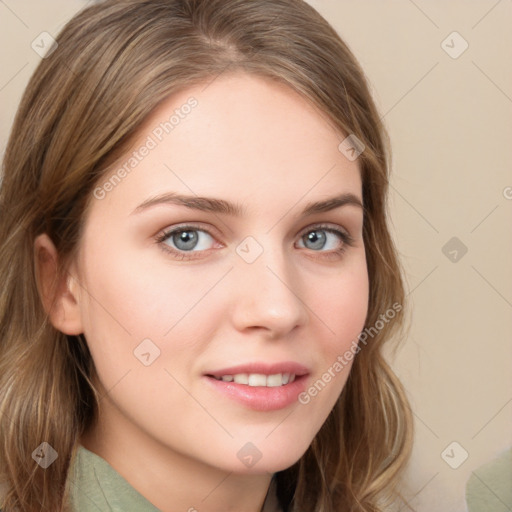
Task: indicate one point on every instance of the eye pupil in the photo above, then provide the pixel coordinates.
(185, 240)
(318, 238)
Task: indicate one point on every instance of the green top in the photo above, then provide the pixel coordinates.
(95, 486)
(489, 487)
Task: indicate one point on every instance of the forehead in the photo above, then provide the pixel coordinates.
(240, 137)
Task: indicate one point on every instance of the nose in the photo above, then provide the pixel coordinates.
(268, 296)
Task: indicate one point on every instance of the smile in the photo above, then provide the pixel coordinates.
(259, 379)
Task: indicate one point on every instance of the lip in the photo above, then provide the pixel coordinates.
(260, 398)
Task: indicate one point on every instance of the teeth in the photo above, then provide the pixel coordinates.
(274, 380)
(241, 378)
(259, 379)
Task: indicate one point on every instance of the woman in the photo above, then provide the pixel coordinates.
(198, 273)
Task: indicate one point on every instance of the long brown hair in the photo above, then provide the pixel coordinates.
(115, 62)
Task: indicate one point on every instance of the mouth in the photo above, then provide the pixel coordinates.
(260, 387)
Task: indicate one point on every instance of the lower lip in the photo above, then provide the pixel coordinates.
(261, 398)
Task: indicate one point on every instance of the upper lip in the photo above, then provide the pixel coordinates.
(262, 368)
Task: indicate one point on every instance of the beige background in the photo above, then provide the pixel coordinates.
(450, 123)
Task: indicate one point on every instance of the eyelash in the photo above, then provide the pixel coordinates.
(347, 241)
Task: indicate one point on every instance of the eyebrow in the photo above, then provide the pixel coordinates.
(210, 204)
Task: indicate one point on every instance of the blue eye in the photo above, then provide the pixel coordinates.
(188, 242)
(186, 239)
(319, 238)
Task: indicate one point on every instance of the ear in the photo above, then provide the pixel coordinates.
(61, 298)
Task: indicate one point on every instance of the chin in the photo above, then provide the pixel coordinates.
(270, 456)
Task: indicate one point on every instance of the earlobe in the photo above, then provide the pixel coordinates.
(59, 294)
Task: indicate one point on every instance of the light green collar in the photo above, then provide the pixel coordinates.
(95, 486)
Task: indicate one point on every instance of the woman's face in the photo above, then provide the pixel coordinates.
(255, 283)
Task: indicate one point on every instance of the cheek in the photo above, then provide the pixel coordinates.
(129, 299)
(343, 305)
(135, 296)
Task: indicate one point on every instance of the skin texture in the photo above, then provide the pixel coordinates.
(175, 439)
